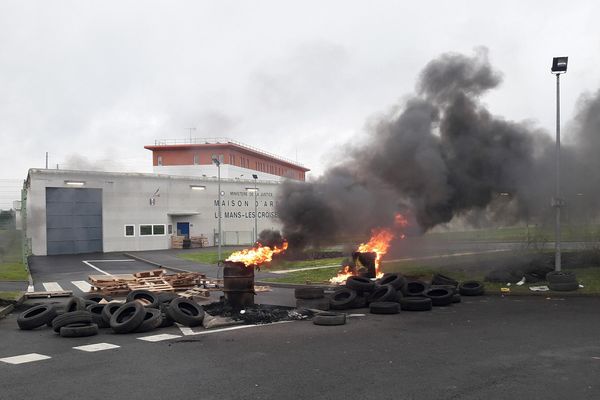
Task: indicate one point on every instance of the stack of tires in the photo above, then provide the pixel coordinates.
(142, 311)
(312, 298)
(562, 281)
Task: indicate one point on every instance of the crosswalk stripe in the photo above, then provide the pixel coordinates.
(25, 358)
(158, 338)
(82, 285)
(97, 347)
(52, 287)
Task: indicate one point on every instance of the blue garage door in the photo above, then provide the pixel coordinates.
(73, 220)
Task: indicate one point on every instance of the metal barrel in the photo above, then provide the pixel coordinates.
(238, 284)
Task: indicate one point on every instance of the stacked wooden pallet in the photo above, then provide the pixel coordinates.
(155, 281)
(177, 242)
(198, 241)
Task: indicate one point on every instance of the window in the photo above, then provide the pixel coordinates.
(129, 230)
(196, 159)
(170, 230)
(158, 229)
(159, 160)
(145, 230)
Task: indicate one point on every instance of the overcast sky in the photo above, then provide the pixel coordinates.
(95, 81)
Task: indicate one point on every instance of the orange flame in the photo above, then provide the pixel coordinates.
(257, 255)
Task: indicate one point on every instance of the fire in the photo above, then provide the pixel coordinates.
(257, 255)
(378, 244)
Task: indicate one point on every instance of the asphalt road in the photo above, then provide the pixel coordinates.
(484, 348)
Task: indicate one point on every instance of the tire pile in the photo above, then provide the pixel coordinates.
(143, 311)
(393, 292)
(562, 281)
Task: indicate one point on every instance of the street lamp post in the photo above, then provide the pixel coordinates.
(559, 66)
(218, 164)
(255, 208)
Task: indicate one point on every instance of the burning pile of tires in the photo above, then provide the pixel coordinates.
(393, 292)
(143, 311)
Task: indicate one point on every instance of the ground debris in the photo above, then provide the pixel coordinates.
(257, 314)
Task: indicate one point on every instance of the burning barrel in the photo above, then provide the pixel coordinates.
(367, 259)
(238, 284)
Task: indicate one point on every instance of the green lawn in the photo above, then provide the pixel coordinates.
(327, 262)
(13, 272)
(321, 275)
(206, 257)
(10, 295)
(524, 234)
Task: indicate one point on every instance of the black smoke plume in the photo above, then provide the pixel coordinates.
(442, 155)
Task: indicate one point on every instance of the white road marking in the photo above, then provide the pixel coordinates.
(25, 358)
(470, 253)
(97, 347)
(82, 285)
(96, 268)
(101, 261)
(189, 332)
(158, 338)
(356, 315)
(287, 271)
(52, 287)
(30, 289)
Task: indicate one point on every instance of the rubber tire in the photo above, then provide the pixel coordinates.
(453, 289)
(128, 317)
(394, 279)
(96, 297)
(145, 297)
(186, 312)
(166, 320)
(359, 302)
(329, 319)
(342, 299)
(384, 307)
(414, 289)
(75, 304)
(471, 288)
(152, 320)
(72, 317)
(564, 287)
(360, 284)
(313, 304)
(79, 330)
(386, 293)
(439, 279)
(36, 317)
(96, 311)
(456, 298)
(440, 297)
(167, 297)
(309, 293)
(416, 304)
(560, 277)
(109, 310)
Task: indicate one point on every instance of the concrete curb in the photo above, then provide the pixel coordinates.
(8, 309)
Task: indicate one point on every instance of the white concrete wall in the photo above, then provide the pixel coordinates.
(126, 200)
(228, 171)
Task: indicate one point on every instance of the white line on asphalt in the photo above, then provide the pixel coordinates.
(97, 347)
(82, 285)
(101, 261)
(52, 287)
(30, 289)
(287, 271)
(158, 338)
(25, 358)
(96, 268)
(189, 332)
(470, 253)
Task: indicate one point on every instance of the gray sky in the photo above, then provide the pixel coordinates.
(93, 82)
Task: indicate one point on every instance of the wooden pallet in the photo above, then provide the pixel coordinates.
(37, 295)
(258, 289)
(150, 274)
(196, 292)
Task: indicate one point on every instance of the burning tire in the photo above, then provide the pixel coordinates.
(456, 298)
(108, 310)
(360, 284)
(96, 311)
(439, 279)
(186, 312)
(72, 317)
(79, 330)
(95, 297)
(560, 277)
(309, 293)
(75, 304)
(128, 317)
(414, 288)
(439, 296)
(385, 293)
(396, 280)
(384, 307)
(329, 319)
(564, 287)
(313, 304)
(342, 299)
(152, 320)
(471, 288)
(36, 317)
(415, 304)
(145, 297)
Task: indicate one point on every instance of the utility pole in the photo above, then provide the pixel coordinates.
(46, 160)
